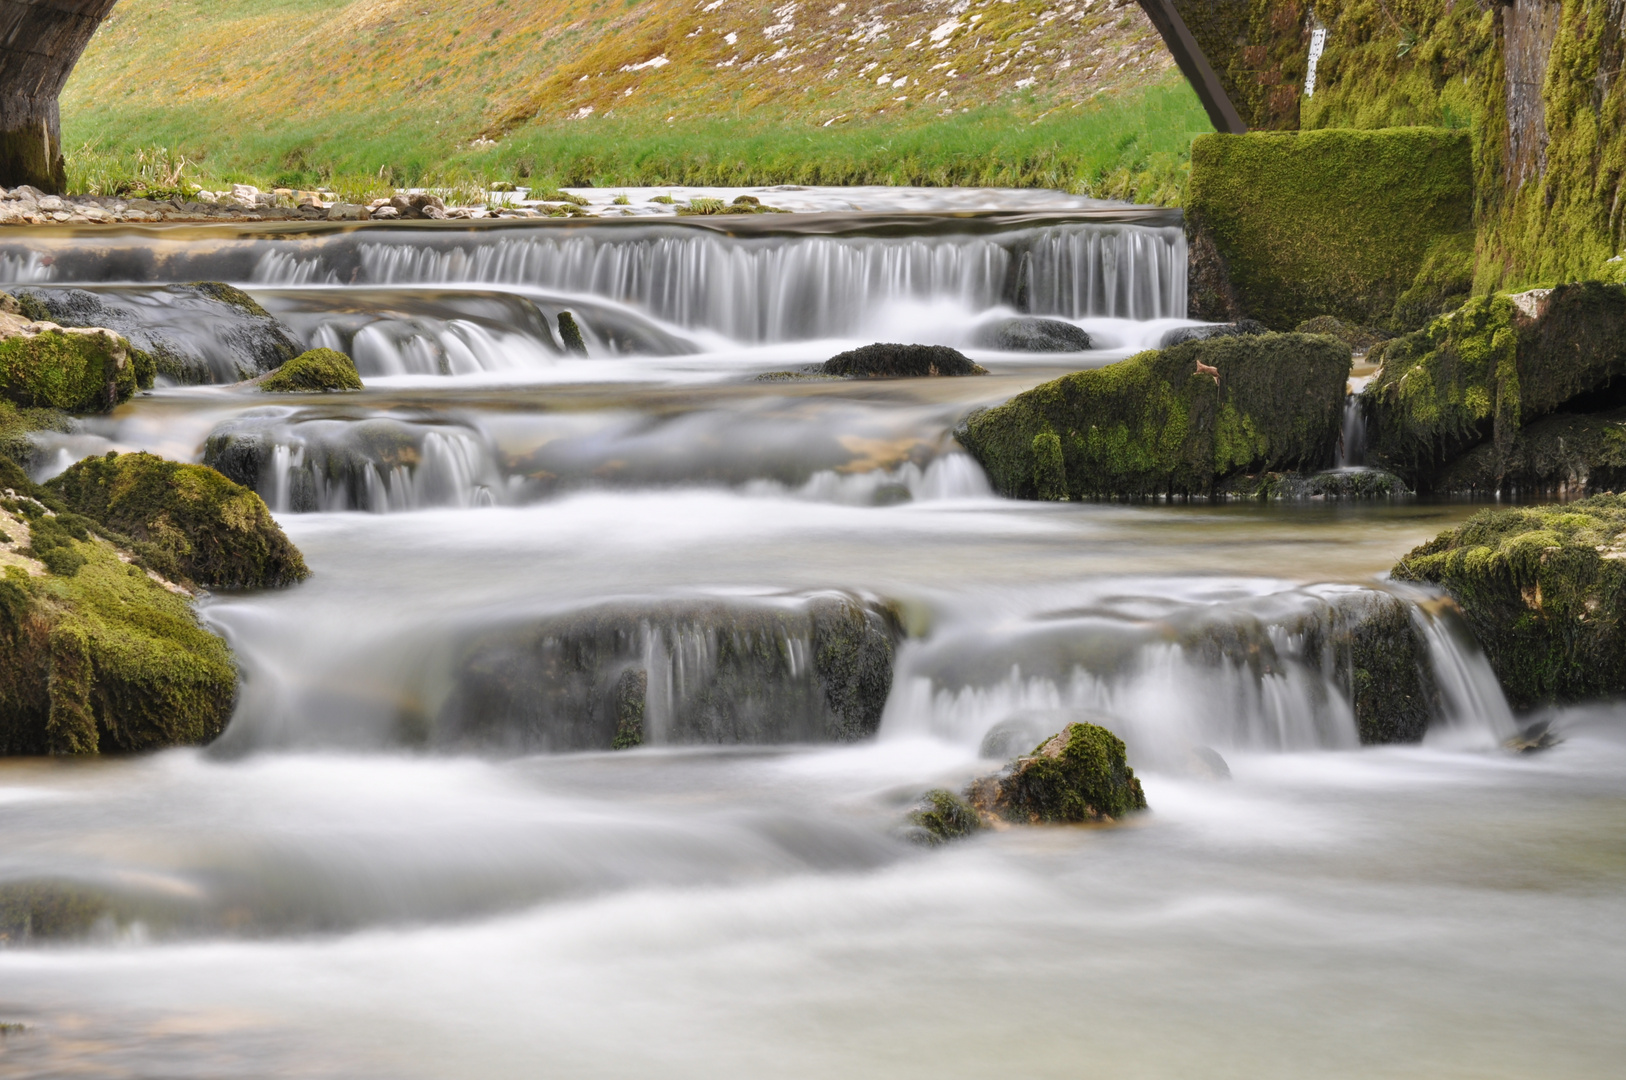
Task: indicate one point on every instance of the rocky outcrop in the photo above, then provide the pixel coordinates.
(1174, 422)
(1480, 376)
(1544, 591)
(1333, 484)
(788, 669)
(202, 332)
(1079, 775)
(43, 365)
(188, 522)
(315, 371)
(883, 361)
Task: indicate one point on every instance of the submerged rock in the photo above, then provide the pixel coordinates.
(901, 362)
(201, 332)
(795, 669)
(314, 371)
(1543, 590)
(97, 654)
(941, 816)
(1173, 422)
(1078, 775)
(43, 365)
(1034, 335)
(187, 521)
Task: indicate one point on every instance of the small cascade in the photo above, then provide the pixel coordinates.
(1352, 441)
(1290, 671)
(952, 476)
(301, 464)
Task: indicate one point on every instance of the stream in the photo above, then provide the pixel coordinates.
(412, 854)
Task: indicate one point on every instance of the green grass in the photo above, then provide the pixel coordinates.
(1132, 145)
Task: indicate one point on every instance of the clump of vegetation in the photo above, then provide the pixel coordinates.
(1337, 222)
(316, 371)
(1079, 775)
(1169, 422)
(1544, 591)
(188, 522)
(942, 816)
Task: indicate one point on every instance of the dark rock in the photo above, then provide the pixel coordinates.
(1182, 334)
(1543, 590)
(1334, 484)
(1160, 424)
(941, 816)
(188, 522)
(202, 332)
(1033, 335)
(570, 335)
(1563, 456)
(808, 669)
(1078, 775)
(901, 362)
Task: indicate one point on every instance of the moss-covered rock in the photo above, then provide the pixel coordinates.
(96, 656)
(941, 816)
(16, 425)
(43, 365)
(313, 371)
(1492, 366)
(1544, 591)
(1562, 455)
(570, 335)
(1337, 222)
(1078, 775)
(1333, 484)
(884, 361)
(1156, 424)
(1358, 338)
(188, 521)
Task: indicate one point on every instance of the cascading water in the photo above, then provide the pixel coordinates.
(796, 605)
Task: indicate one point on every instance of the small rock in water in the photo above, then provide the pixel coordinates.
(1535, 738)
(1080, 775)
(1182, 334)
(313, 371)
(1206, 761)
(1034, 335)
(884, 361)
(1013, 736)
(941, 816)
(571, 335)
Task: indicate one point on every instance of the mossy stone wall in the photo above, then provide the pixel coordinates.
(1337, 222)
(1155, 424)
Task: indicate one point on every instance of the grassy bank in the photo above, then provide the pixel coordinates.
(1134, 145)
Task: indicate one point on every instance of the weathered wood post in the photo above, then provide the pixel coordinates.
(40, 41)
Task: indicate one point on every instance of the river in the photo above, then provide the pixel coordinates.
(412, 854)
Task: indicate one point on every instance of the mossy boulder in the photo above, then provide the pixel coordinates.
(890, 361)
(1491, 367)
(1563, 455)
(1079, 775)
(17, 425)
(1544, 591)
(314, 371)
(1157, 424)
(1332, 484)
(43, 365)
(96, 656)
(941, 816)
(1337, 222)
(188, 521)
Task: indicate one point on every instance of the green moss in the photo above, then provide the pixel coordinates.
(189, 521)
(1334, 484)
(230, 294)
(631, 698)
(313, 371)
(1330, 222)
(1049, 467)
(1079, 775)
(76, 372)
(1562, 455)
(17, 424)
(1358, 338)
(941, 816)
(1544, 591)
(571, 335)
(1153, 425)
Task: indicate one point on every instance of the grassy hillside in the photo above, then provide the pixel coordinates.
(367, 95)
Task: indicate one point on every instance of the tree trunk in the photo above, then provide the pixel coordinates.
(40, 41)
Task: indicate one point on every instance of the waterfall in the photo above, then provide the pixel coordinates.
(1352, 439)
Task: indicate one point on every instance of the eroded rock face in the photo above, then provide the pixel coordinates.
(754, 671)
(1544, 591)
(202, 332)
(1172, 422)
(1078, 775)
(883, 361)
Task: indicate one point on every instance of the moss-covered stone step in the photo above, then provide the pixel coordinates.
(315, 371)
(1544, 591)
(43, 365)
(1171, 422)
(1485, 371)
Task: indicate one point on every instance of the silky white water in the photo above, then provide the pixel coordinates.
(337, 888)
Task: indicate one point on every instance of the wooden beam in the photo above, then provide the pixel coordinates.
(1195, 66)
